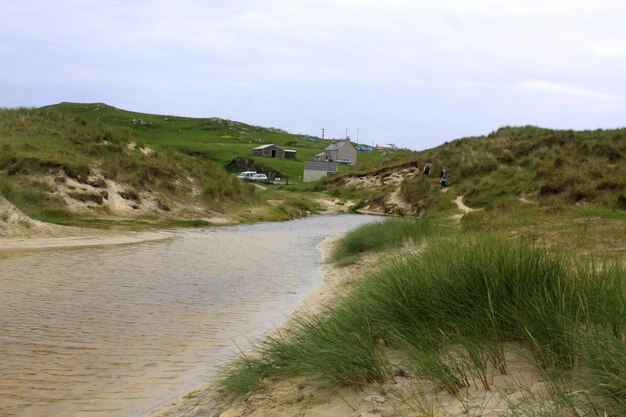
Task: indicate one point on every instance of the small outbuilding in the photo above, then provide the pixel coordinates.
(269, 151)
(290, 154)
(315, 170)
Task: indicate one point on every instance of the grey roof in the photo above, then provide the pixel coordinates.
(336, 145)
(290, 150)
(265, 146)
(321, 166)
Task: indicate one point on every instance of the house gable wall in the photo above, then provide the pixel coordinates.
(272, 151)
(339, 150)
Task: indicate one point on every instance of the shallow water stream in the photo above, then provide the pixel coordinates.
(119, 330)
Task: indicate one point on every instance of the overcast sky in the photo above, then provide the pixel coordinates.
(415, 73)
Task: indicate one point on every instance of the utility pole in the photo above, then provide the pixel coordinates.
(323, 129)
(357, 135)
(346, 137)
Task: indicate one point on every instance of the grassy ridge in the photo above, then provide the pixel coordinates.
(550, 167)
(561, 187)
(36, 143)
(453, 309)
(215, 139)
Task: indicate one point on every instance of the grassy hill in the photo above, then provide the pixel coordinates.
(72, 161)
(61, 168)
(528, 180)
(212, 139)
(540, 183)
(516, 308)
(542, 165)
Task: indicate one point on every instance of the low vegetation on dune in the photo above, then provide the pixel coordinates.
(228, 143)
(544, 166)
(531, 182)
(547, 166)
(390, 234)
(451, 315)
(54, 166)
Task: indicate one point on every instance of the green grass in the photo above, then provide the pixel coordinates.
(476, 293)
(587, 229)
(382, 235)
(213, 139)
(545, 166)
(38, 143)
(541, 164)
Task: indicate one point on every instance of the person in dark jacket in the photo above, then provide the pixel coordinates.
(442, 178)
(426, 171)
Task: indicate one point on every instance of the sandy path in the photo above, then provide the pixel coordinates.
(461, 205)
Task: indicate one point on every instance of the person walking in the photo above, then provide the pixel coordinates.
(426, 171)
(442, 178)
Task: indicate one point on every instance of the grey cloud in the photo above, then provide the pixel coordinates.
(412, 72)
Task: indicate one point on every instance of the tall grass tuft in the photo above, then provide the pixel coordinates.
(453, 308)
(604, 354)
(377, 236)
(336, 347)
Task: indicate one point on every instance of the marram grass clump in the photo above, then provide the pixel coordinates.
(378, 236)
(473, 293)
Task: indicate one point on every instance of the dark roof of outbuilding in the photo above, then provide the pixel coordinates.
(321, 166)
(266, 146)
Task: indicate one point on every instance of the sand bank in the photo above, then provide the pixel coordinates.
(79, 241)
(20, 232)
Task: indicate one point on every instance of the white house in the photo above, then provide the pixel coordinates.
(338, 149)
(387, 146)
(315, 170)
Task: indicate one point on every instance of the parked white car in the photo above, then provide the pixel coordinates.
(343, 161)
(247, 175)
(259, 177)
